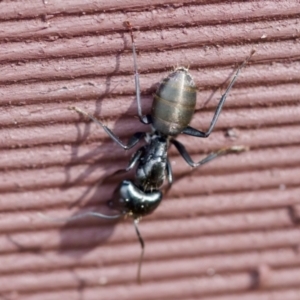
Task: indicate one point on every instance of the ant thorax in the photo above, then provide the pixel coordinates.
(150, 173)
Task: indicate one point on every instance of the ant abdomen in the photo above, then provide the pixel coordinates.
(174, 103)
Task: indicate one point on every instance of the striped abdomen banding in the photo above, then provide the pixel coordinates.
(174, 103)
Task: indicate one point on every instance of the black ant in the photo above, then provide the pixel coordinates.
(172, 110)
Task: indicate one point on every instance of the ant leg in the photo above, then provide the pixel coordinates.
(134, 159)
(80, 216)
(183, 152)
(194, 132)
(135, 223)
(169, 176)
(145, 119)
(133, 140)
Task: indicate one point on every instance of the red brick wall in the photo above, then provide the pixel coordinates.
(228, 230)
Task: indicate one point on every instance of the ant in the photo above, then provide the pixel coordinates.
(172, 110)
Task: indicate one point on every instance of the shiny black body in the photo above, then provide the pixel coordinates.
(133, 201)
(152, 165)
(142, 196)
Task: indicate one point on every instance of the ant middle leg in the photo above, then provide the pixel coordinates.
(183, 152)
(132, 163)
(133, 140)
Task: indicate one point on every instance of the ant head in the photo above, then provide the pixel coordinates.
(132, 201)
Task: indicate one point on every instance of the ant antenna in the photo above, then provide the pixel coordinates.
(135, 223)
(129, 27)
(81, 216)
(247, 59)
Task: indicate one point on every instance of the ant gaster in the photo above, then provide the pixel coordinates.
(172, 110)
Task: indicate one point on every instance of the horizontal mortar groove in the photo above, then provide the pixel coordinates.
(44, 114)
(62, 26)
(210, 13)
(99, 152)
(60, 69)
(13, 223)
(46, 110)
(87, 239)
(189, 286)
(203, 265)
(192, 203)
(66, 177)
(82, 132)
(98, 45)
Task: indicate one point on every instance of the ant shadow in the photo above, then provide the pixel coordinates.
(100, 192)
(95, 194)
(91, 231)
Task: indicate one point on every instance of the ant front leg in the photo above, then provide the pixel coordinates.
(132, 142)
(194, 132)
(145, 119)
(183, 152)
